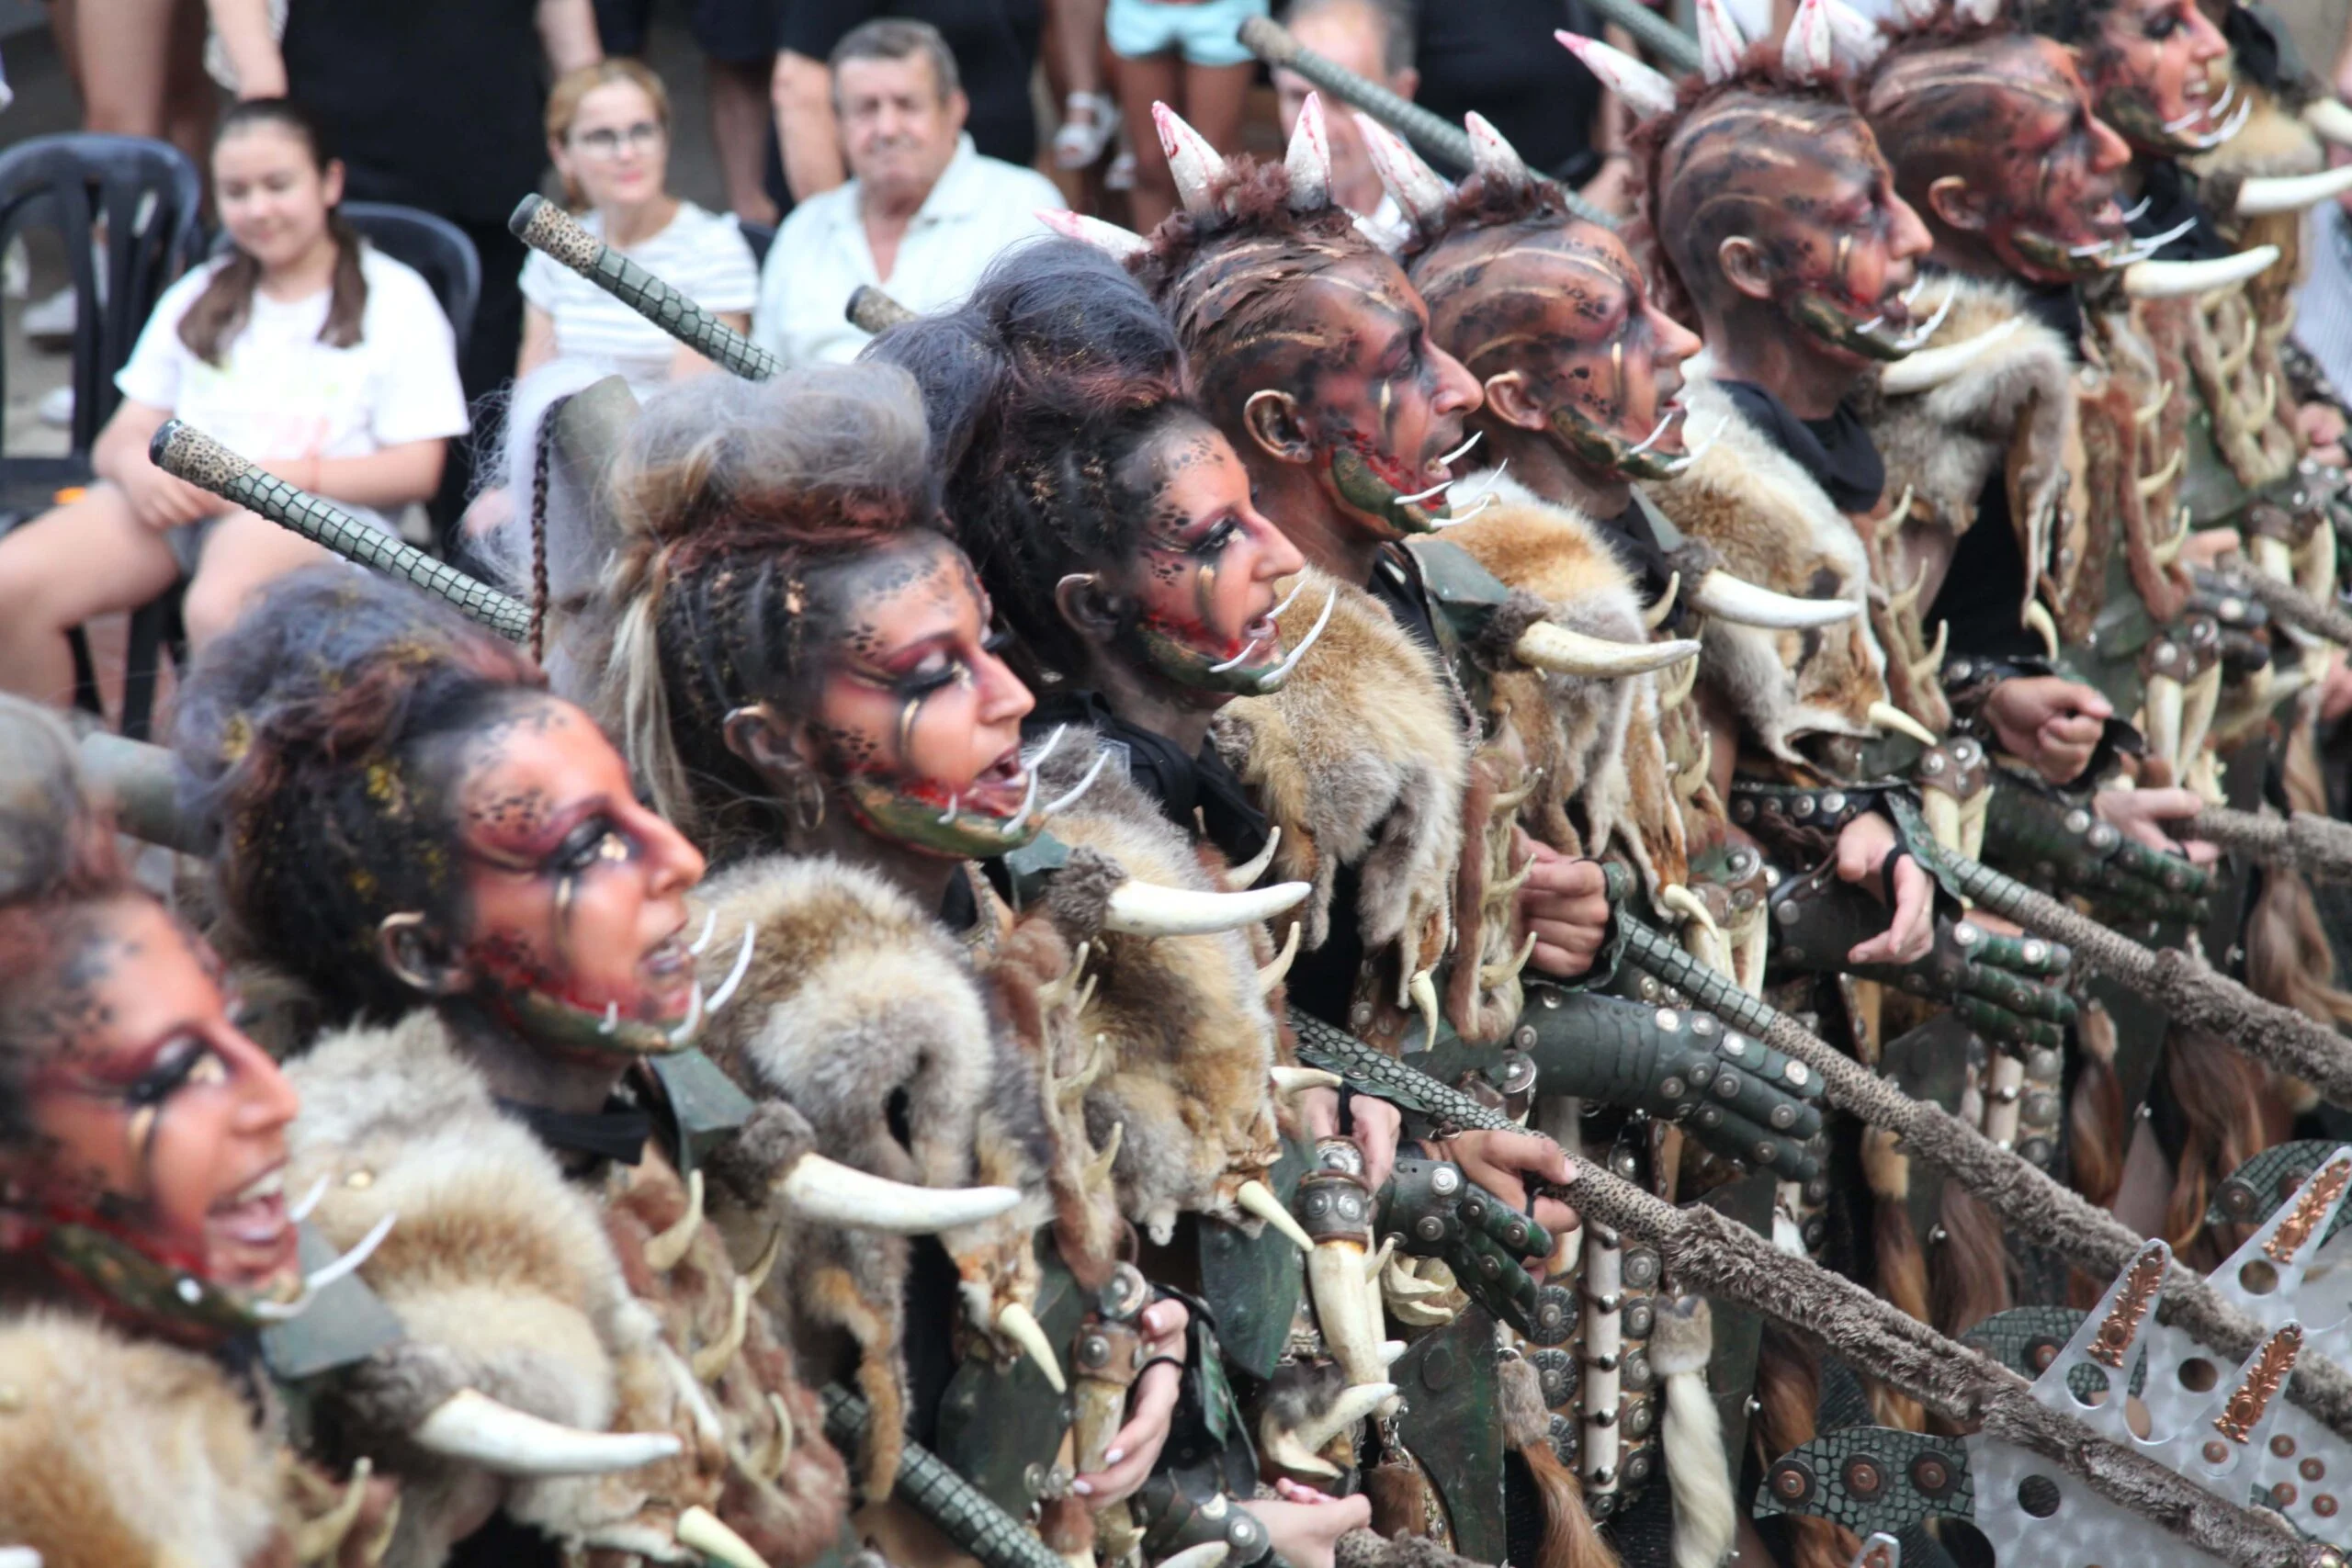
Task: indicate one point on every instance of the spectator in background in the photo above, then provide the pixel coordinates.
(1187, 54)
(1498, 57)
(1374, 39)
(993, 44)
(737, 42)
(608, 131)
(329, 365)
(923, 214)
(435, 104)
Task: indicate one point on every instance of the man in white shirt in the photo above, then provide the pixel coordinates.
(923, 214)
(1374, 39)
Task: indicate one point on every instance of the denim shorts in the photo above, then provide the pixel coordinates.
(1209, 32)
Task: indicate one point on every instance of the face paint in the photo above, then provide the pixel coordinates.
(2150, 65)
(1204, 582)
(154, 1179)
(916, 725)
(574, 892)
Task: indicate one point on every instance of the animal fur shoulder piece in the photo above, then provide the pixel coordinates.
(1181, 1081)
(2011, 412)
(535, 1291)
(115, 1452)
(1774, 526)
(1363, 761)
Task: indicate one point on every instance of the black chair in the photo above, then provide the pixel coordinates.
(148, 195)
(435, 247)
(759, 236)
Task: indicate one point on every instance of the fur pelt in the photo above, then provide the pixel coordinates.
(2011, 411)
(1182, 1077)
(1706, 1517)
(2274, 141)
(859, 1008)
(1362, 759)
(2131, 426)
(1773, 526)
(533, 1290)
(114, 1452)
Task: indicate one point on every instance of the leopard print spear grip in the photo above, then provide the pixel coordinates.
(871, 310)
(188, 453)
(550, 231)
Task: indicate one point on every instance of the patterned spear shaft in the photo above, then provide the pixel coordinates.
(553, 232)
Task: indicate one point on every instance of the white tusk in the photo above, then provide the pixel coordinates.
(1493, 974)
(2330, 120)
(2171, 280)
(1727, 598)
(1256, 1198)
(1654, 437)
(1013, 823)
(1286, 1454)
(1147, 908)
(1288, 599)
(954, 801)
(1565, 652)
(1927, 329)
(476, 1428)
(1886, 716)
(684, 1033)
(2038, 620)
(2132, 213)
(2235, 123)
(612, 1019)
(709, 924)
(1247, 649)
(1272, 973)
(663, 1251)
(2140, 250)
(1931, 367)
(831, 1193)
(1246, 874)
(756, 1276)
(1289, 1081)
(1281, 672)
(2205, 111)
(309, 1201)
(1062, 803)
(1208, 1554)
(1422, 988)
(1355, 1402)
(711, 1360)
(2152, 485)
(1462, 451)
(726, 992)
(700, 1530)
(2263, 195)
(1677, 898)
(1018, 1324)
(350, 1261)
(1109, 237)
(1655, 616)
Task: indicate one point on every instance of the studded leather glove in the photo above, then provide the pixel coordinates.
(2055, 841)
(1174, 1520)
(1741, 1100)
(1435, 1211)
(1998, 985)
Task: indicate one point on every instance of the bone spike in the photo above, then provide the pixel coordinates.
(1098, 1170)
(1422, 988)
(2038, 620)
(1513, 798)
(1372, 1268)
(1647, 92)
(1493, 974)
(1290, 1081)
(1281, 672)
(1399, 1284)
(714, 1359)
(1417, 188)
(2262, 195)
(1655, 616)
(1494, 157)
(828, 1193)
(726, 992)
(700, 1530)
(1981, 12)
(1942, 814)
(1208, 1554)
(1724, 597)
(319, 1540)
(1674, 693)
(1809, 53)
(1270, 974)
(1931, 367)
(663, 1251)
(1721, 43)
(2234, 361)
(1500, 893)
(1354, 1403)
(301, 1207)
(2160, 718)
(1055, 992)
(1200, 172)
(1109, 239)
(757, 1274)
(1256, 1197)
(1242, 877)
(2153, 485)
(1419, 1314)
(1933, 661)
(1562, 651)
(1858, 36)
(505, 1441)
(769, 1461)
(2164, 554)
(1886, 716)
(1676, 899)
(1018, 1324)
(1144, 908)
(2153, 409)
(1309, 160)
(1690, 781)
(2330, 120)
(2172, 280)
(1285, 1453)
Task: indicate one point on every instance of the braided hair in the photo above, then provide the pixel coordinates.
(739, 501)
(1056, 375)
(312, 738)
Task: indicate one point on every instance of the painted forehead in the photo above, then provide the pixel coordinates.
(1564, 288)
(1550, 253)
(878, 603)
(1976, 94)
(1748, 146)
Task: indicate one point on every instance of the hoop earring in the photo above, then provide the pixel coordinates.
(808, 805)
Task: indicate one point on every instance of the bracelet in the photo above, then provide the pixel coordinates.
(1886, 871)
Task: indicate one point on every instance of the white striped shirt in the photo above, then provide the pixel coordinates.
(2324, 303)
(704, 256)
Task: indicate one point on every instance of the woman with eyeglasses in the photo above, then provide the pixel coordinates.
(608, 131)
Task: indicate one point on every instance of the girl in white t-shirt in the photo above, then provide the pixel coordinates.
(328, 364)
(608, 132)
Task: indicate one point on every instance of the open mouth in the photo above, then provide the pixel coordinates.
(998, 789)
(250, 1237)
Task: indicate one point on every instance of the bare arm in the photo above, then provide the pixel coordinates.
(254, 55)
(568, 32)
(686, 363)
(391, 478)
(539, 341)
(802, 91)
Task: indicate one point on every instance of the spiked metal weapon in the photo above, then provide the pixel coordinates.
(2319, 847)
(1715, 1256)
(1657, 35)
(549, 230)
(188, 453)
(871, 310)
(1439, 138)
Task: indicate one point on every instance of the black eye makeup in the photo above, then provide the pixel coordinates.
(595, 839)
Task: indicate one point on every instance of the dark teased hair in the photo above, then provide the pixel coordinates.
(1055, 374)
(220, 313)
(308, 737)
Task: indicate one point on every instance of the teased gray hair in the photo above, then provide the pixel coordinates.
(895, 38)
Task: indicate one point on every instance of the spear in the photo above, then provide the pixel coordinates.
(186, 453)
(2299, 609)
(871, 311)
(2319, 847)
(1657, 35)
(549, 230)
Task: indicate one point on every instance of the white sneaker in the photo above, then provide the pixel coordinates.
(55, 408)
(51, 318)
